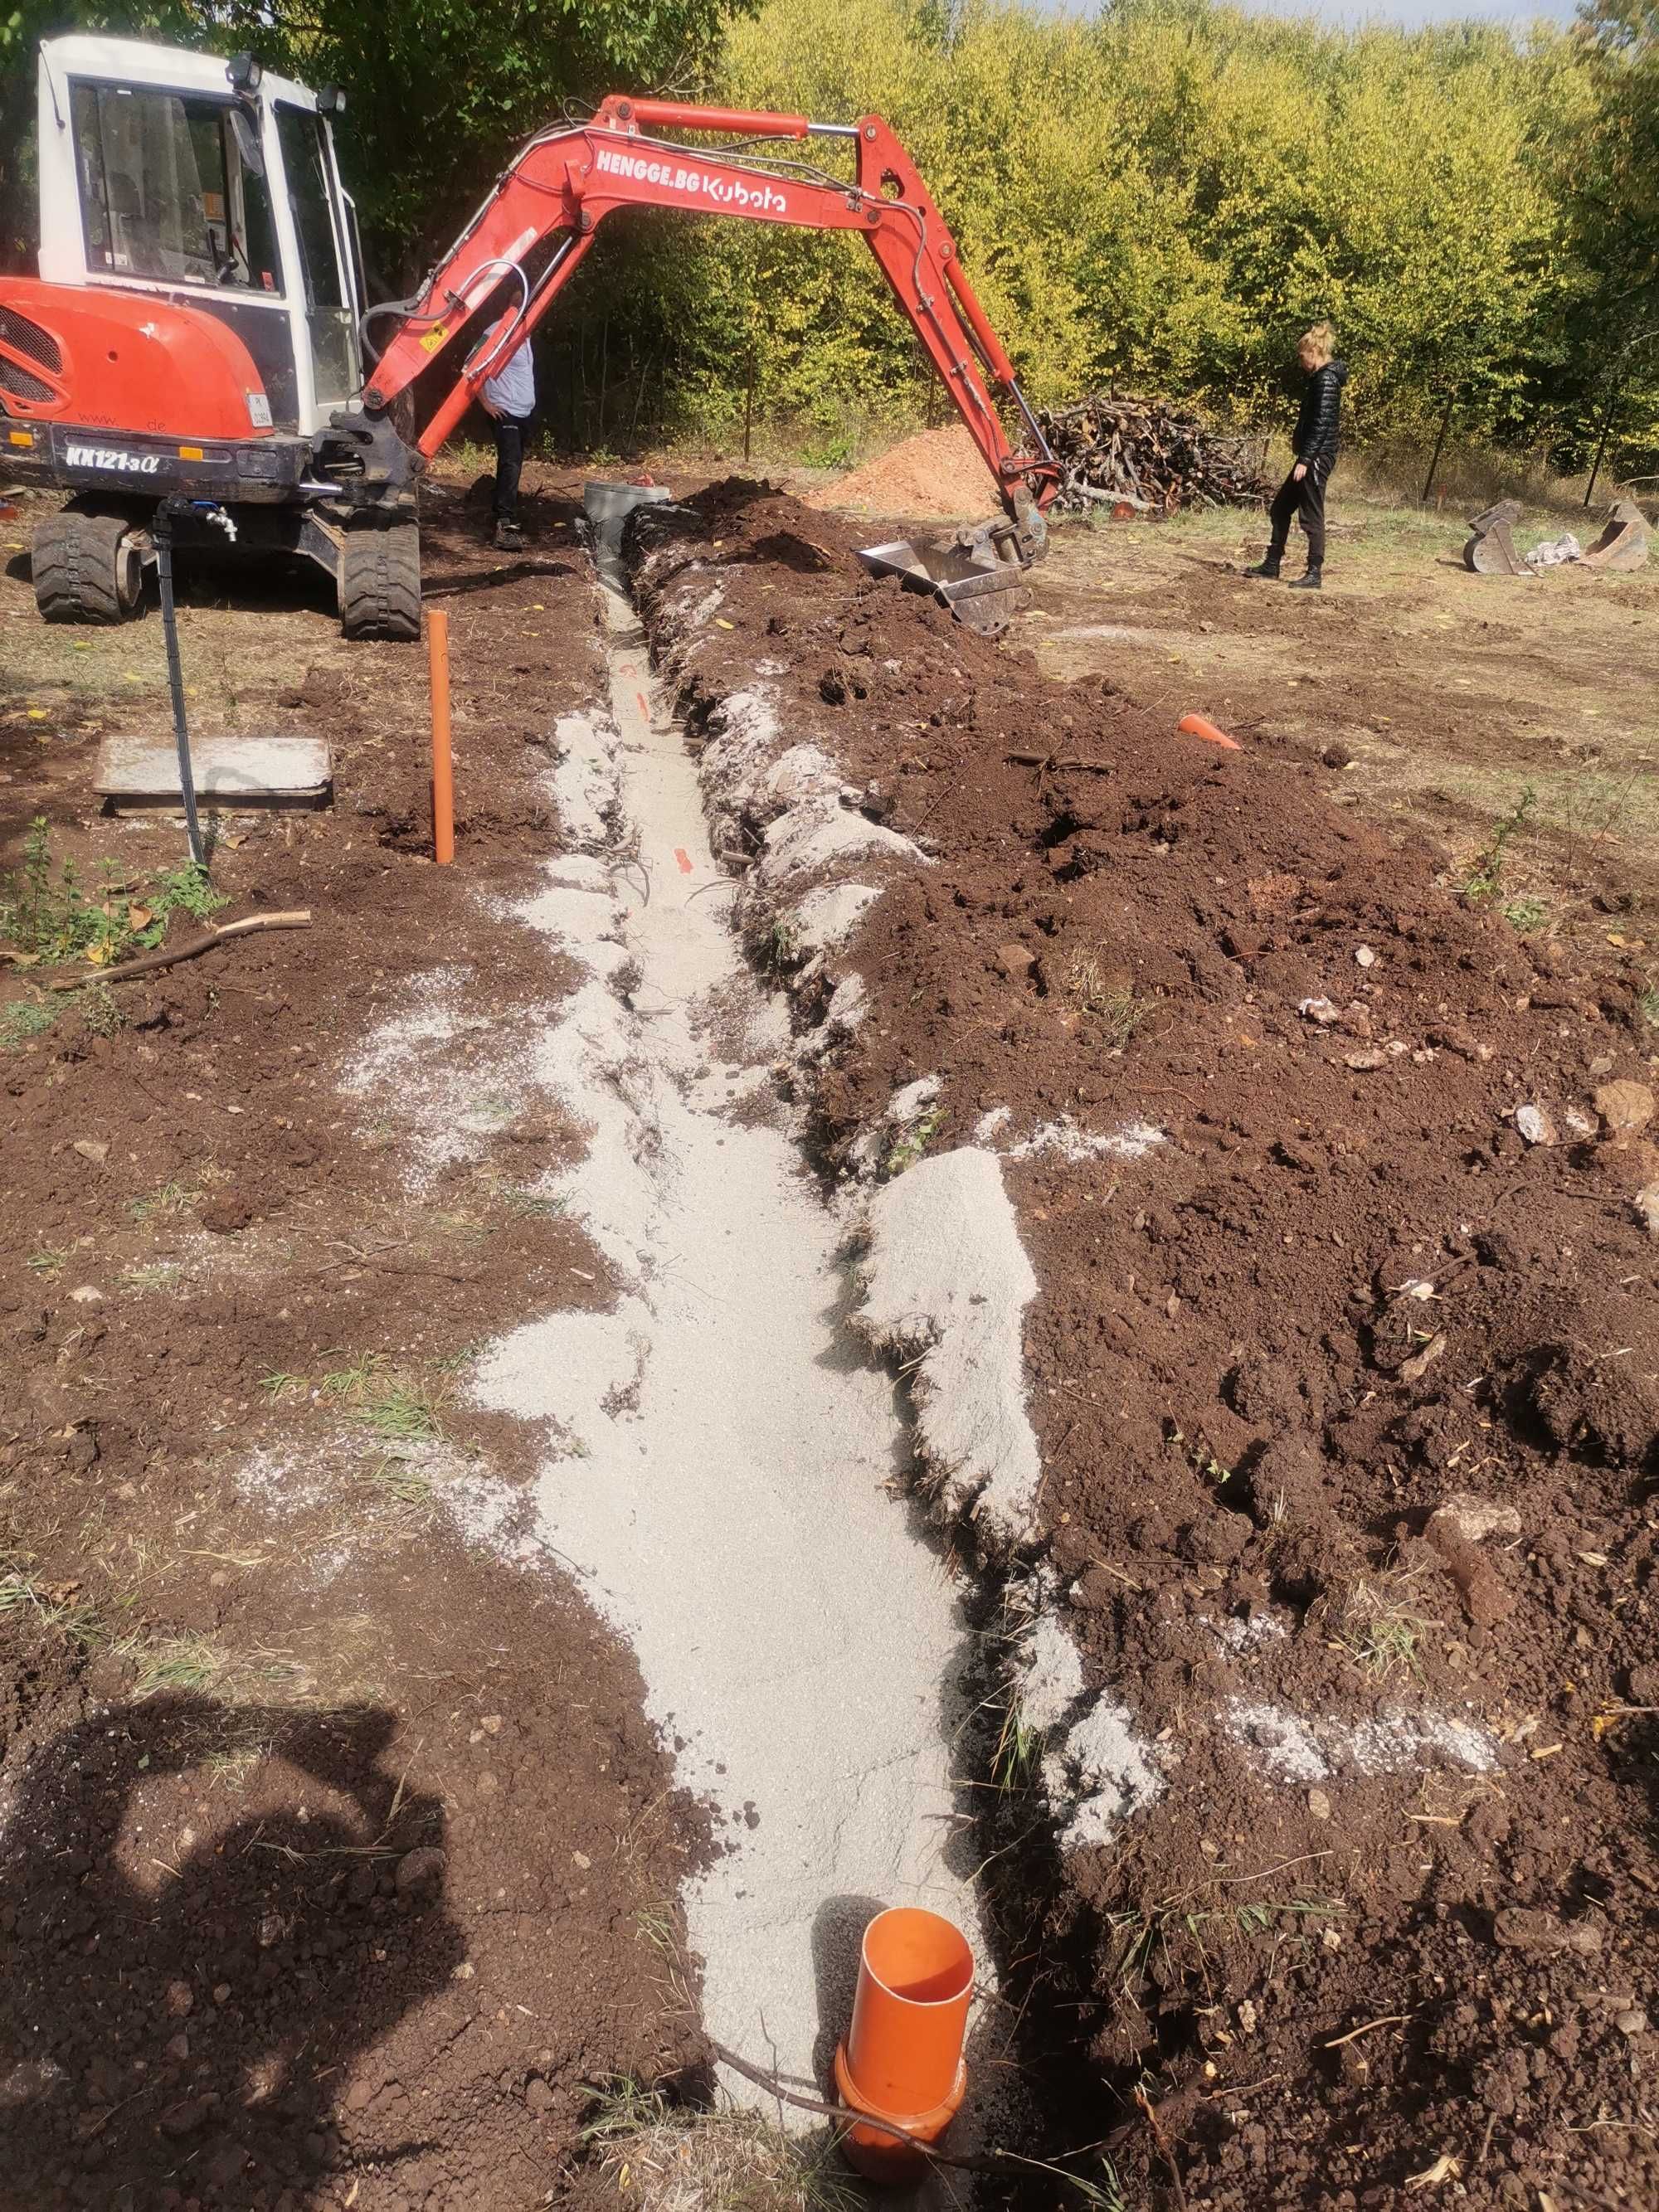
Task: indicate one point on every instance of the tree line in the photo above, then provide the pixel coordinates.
(1159, 194)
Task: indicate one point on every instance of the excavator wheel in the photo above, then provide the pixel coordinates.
(379, 582)
(89, 565)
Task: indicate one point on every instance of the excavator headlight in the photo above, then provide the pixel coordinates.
(245, 71)
(331, 101)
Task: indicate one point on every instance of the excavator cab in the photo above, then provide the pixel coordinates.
(194, 326)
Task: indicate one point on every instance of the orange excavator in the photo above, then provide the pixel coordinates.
(198, 332)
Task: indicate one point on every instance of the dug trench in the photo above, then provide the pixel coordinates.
(1268, 1237)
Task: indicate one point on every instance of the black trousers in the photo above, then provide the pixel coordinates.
(1306, 500)
(510, 434)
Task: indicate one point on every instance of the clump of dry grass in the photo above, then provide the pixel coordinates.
(669, 2159)
(1115, 1007)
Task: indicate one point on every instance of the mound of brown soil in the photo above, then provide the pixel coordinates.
(1345, 1368)
(937, 474)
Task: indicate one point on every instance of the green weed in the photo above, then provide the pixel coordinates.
(1488, 871)
(1526, 914)
(52, 916)
(49, 1260)
(100, 1011)
(910, 1145)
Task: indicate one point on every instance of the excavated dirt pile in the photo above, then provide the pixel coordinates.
(1331, 1747)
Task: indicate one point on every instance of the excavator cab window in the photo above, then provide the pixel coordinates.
(317, 224)
(167, 192)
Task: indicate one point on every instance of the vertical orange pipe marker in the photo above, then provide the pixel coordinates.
(443, 770)
(902, 2060)
(1194, 726)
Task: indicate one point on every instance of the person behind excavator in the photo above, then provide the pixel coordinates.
(508, 398)
(1314, 447)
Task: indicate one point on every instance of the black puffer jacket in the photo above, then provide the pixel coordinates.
(1318, 425)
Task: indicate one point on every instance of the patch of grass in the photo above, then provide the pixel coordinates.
(25, 1018)
(402, 1404)
(1488, 875)
(908, 1148)
(655, 1925)
(158, 1275)
(403, 1482)
(170, 1662)
(723, 2160)
(1381, 1634)
(48, 1260)
(1172, 1924)
(1648, 1003)
(527, 1205)
(1115, 1007)
(1019, 1747)
(171, 1197)
(282, 1385)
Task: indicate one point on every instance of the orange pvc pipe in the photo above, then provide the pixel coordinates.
(443, 769)
(1194, 726)
(902, 2060)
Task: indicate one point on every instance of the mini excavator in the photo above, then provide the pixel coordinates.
(199, 333)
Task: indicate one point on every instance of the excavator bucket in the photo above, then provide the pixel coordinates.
(1490, 551)
(1624, 542)
(980, 586)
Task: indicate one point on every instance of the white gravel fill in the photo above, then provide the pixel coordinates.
(1290, 1747)
(945, 1282)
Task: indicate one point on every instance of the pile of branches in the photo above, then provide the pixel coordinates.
(1147, 455)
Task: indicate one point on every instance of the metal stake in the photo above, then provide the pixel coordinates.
(161, 530)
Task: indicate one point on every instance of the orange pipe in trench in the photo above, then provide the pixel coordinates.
(443, 770)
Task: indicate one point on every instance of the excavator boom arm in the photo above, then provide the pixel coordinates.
(565, 182)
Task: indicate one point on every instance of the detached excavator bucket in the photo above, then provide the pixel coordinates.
(1491, 550)
(980, 588)
(1624, 542)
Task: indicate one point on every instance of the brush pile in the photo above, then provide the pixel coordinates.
(1147, 456)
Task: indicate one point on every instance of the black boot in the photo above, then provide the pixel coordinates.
(1312, 581)
(1269, 567)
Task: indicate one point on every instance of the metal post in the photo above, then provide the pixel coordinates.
(161, 532)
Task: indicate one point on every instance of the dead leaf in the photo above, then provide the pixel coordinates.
(1445, 2168)
(139, 917)
(1414, 1369)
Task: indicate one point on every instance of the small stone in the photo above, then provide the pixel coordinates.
(271, 1929)
(178, 2049)
(88, 1294)
(1363, 956)
(1320, 1011)
(1646, 1204)
(1534, 1125)
(464, 1971)
(536, 2094)
(1319, 1805)
(359, 2094)
(181, 2000)
(1365, 1063)
(419, 1871)
(1472, 1519)
(582, 1860)
(1633, 2022)
(1625, 1109)
(1247, 2017)
(222, 1993)
(92, 1148)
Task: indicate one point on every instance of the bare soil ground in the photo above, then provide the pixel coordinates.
(336, 1861)
(1344, 1355)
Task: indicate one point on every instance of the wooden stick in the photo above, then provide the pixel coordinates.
(296, 918)
(1048, 760)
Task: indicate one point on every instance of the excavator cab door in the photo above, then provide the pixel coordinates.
(323, 249)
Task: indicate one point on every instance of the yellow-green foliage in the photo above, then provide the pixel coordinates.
(1165, 194)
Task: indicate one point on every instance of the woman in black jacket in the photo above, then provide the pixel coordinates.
(1314, 446)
